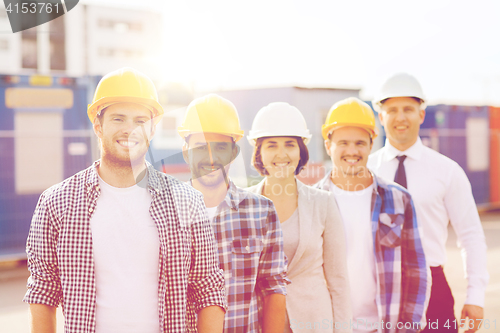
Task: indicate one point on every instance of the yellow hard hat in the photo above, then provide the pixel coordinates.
(125, 85)
(350, 112)
(211, 114)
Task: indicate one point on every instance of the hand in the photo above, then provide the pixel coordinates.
(475, 314)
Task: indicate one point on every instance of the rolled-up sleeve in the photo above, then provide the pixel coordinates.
(44, 284)
(206, 280)
(272, 277)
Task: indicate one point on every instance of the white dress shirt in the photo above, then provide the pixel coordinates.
(441, 192)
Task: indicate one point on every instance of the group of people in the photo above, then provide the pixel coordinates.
(126, 248)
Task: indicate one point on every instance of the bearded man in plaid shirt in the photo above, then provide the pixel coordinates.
(386, 261)
(246, 225)
(123, 247)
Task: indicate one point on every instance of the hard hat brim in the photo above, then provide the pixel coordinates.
(252, 140)
(184, 132)
(377, 103)
(157, 115)
(327, 130)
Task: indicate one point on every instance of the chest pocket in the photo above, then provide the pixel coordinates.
(390, 229)
(245, 258)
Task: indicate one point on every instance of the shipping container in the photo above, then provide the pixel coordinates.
(462, 134)
(494, 118)
(45, 137)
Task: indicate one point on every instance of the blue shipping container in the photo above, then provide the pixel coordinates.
(45, 136)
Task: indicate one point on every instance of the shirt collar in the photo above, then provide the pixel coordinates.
(414, 152)
(154, 182)
(233, 196)
(260, 186)
(325, 183)
(92, 180)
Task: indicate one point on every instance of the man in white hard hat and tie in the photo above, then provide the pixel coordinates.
(442, 194)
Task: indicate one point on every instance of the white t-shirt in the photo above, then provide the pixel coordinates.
(126, 256)
(355, 209)
(211, 213)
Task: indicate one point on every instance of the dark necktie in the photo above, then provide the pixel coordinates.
(400, 176)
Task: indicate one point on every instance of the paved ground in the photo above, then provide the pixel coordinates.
(14, 315)
(454, 273)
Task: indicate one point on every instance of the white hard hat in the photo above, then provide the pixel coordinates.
(399, 85)
(278, 119)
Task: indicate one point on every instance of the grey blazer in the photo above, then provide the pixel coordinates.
(319, 294)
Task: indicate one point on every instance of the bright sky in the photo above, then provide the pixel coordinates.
(452, 47)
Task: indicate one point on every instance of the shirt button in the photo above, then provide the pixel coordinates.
(247, 248)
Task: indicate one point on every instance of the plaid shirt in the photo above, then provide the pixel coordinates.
(60, 254)
(250, 243)
(403, 279)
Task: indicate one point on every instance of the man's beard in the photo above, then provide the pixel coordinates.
(207, 178)
(118, 160)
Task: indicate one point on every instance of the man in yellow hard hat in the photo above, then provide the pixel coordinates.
(123, 247)
(442, 195)
(246, 225)
(385, 259)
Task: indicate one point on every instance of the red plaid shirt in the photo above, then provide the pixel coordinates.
(60, 254)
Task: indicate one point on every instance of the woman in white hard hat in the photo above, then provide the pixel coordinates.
(313, 232)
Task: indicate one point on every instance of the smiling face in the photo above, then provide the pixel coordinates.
(124, 130)
(401, 118)
(209, 156)
(349, 148)
(280, 156)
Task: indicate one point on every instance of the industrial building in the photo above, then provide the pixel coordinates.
(88, 40)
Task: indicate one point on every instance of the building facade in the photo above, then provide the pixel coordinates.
(88, 40)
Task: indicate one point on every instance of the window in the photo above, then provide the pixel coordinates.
(121, 53)
(4, 45)
(120, 26)
(105, 52)
(29, 48)
(57, 44)
(166, 136)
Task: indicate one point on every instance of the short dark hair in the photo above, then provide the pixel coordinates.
(257, 157)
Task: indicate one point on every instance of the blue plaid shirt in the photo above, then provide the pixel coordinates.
(250, 243)
(403, 278)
